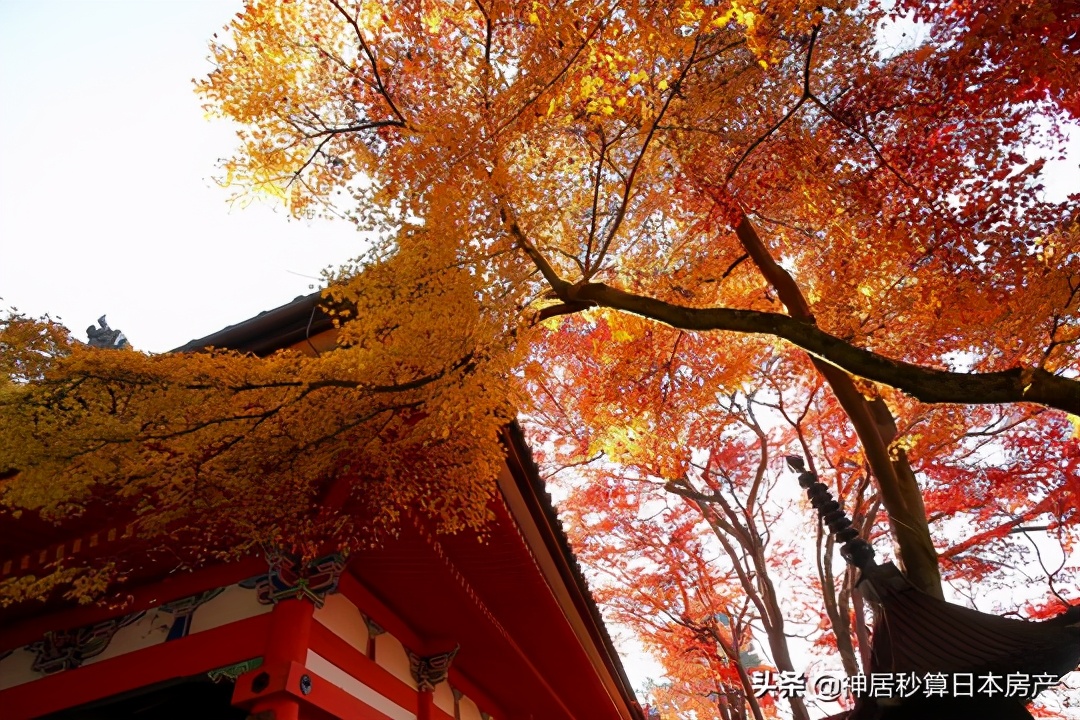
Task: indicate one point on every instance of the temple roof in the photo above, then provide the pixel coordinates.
(536, 635)
(916, 633)
(270, 330)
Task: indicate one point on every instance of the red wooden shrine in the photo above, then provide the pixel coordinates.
(424, 628)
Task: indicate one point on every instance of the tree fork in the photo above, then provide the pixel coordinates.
(928, 385)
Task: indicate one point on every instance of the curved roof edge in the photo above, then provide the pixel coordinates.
(270, 330)
(559, 546)
(302, 319)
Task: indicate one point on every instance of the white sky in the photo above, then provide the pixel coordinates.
(106, 200)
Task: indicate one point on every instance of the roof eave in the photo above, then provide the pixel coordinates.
(302, 319)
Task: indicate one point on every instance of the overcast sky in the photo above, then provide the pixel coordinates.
(107, 205)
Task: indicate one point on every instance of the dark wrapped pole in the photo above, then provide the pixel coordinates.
(854, 549)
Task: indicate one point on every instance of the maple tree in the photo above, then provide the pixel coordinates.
(611, 149)
(623, 526)
(672, 189)
(684, 608)
(692, 572)
(730, 522)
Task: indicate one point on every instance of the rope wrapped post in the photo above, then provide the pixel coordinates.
(854, 549)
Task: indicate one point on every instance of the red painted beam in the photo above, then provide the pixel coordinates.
(367, 671)
(358, 665)
(292, 685)
(354, 591)
(187, 656)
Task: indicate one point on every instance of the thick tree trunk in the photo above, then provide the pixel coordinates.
(875, 426)
(930, 385)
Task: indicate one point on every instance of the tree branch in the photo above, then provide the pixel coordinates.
(806, 95)
(628, 184)
(371, 60)
(930, 385)
(558, 285)
(561, 309)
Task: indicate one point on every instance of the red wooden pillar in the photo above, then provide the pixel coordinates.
(425, 705)
(290, 631)
(287, 643)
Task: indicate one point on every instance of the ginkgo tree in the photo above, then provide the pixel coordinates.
(209, 455)
(781, 171)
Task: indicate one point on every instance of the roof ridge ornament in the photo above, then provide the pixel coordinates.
(857, 551)
(105, 337)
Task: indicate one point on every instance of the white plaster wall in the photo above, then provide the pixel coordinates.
(232, 604)
(444, 697)
(15, 669)
(332, 673)
(343, 619)
(468, 708)
(390, 654)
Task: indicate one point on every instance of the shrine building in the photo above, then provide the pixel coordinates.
(424, 627)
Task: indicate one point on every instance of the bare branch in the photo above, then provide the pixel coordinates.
(806, 95)
(371, 60)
